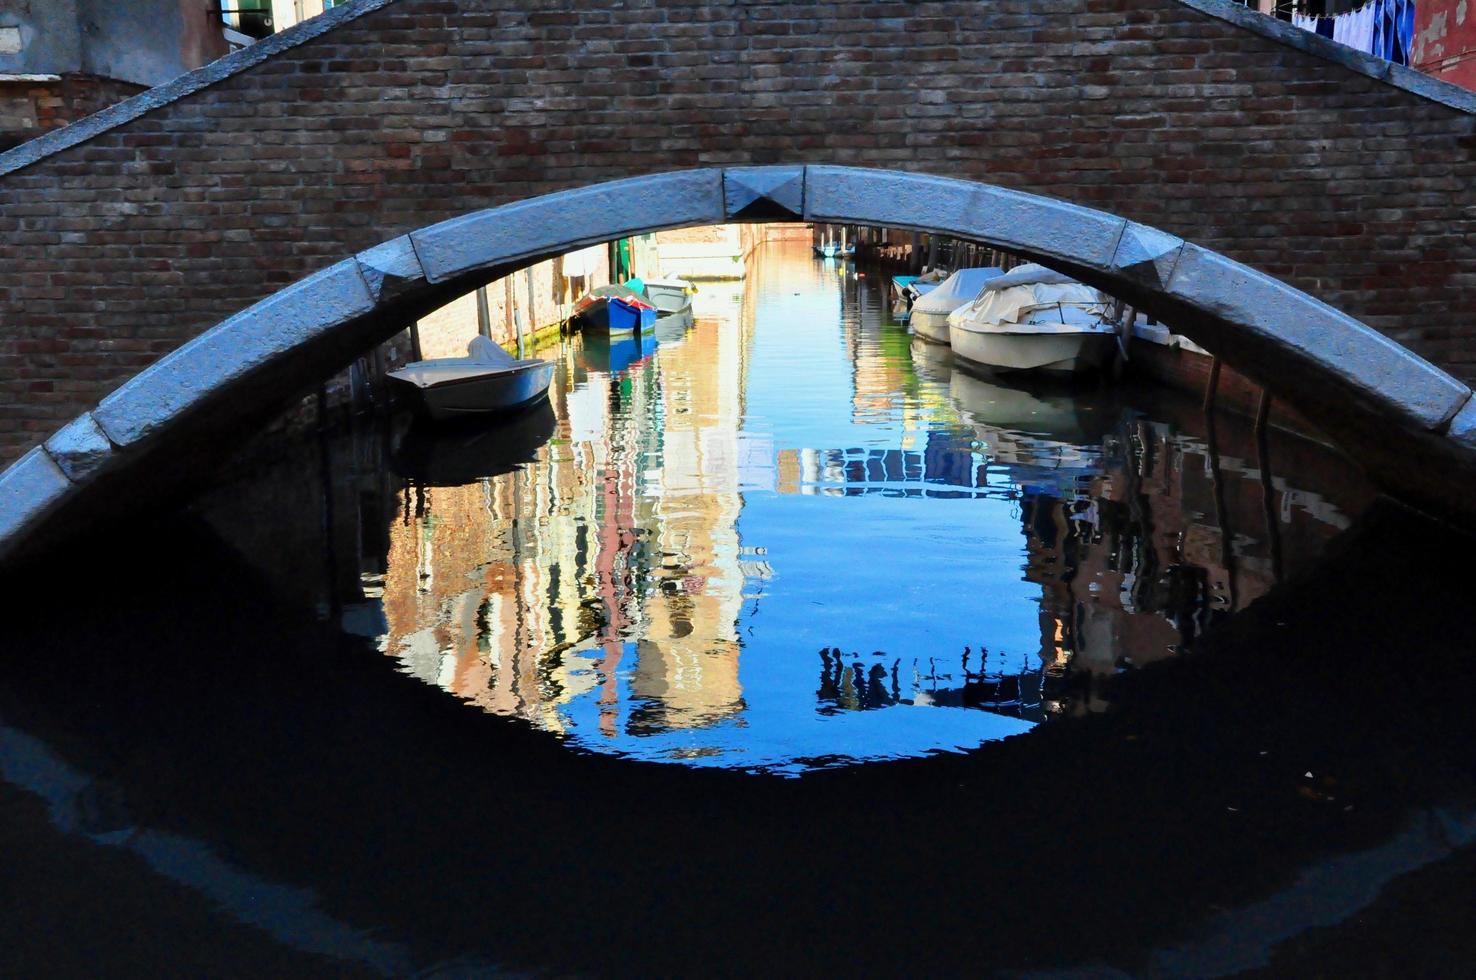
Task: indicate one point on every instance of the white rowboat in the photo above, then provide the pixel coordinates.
(488, 380)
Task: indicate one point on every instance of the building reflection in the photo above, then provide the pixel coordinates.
(1143, 526)
(595, 582)
(605, 567)
(1144, 536)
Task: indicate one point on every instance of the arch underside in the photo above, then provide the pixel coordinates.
(1409, 422)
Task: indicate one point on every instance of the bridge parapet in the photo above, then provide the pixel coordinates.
(1295, 167)
(1339, 372)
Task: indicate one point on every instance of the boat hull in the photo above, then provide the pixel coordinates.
(669, 299)
(489, 394)
(930, 326)
(1059, 353)
(610, 315)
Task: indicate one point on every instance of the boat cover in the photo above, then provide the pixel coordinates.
(484, 351)
(484, 359)
(1011, 298)
(956, 290)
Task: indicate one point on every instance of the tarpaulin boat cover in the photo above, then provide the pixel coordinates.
(1007, 298)
(956, 290)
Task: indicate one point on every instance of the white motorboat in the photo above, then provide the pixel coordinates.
(487, 380)
(930, 311)
(1034, 319)
(670, 295)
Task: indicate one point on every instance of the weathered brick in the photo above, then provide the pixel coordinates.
(118, 249)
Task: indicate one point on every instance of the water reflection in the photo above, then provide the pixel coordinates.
(202, 772)
(789, 473)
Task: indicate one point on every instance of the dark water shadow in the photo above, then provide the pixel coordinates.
(329, 814)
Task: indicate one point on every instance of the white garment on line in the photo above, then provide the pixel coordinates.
(1361, 36)
(583, 262)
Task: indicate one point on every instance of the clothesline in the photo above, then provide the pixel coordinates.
(1380, 27)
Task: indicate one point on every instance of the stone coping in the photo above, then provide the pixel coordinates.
(1399, 76)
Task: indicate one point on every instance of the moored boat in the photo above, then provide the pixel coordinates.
(487, 381)
(670, 295)
(904, 294)
(1035, 319)
(614, 309)
(930, 312)
(835, 250)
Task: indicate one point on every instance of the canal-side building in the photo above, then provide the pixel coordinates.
(1445, 41)
(61, 60)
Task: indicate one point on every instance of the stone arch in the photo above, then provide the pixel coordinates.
(1362, 387)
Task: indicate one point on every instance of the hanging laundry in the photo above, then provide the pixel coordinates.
(1406, 29)
(1383, 27)
(584, 262)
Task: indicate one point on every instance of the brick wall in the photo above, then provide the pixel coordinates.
(114, 251)
(30, 108)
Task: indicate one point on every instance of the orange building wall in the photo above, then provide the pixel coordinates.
(1445, 40)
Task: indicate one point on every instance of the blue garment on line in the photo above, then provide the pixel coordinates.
(1406, 29)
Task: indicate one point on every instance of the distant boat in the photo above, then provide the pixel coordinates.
(487, 380)
(930, 312)
(670, 295)
(902, 297)
(921, 286)
(835, 250)
(614, 309)
(1033, 319)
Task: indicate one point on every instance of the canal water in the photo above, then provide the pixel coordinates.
(787, 535)
(777, 642)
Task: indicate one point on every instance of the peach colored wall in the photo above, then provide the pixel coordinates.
(447, 331)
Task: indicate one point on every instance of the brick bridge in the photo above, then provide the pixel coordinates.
(1097, 135)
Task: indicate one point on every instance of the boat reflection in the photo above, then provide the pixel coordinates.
(450, 454)
(1043, 438)
(613, 353)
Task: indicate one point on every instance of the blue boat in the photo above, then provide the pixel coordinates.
(615, 309)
